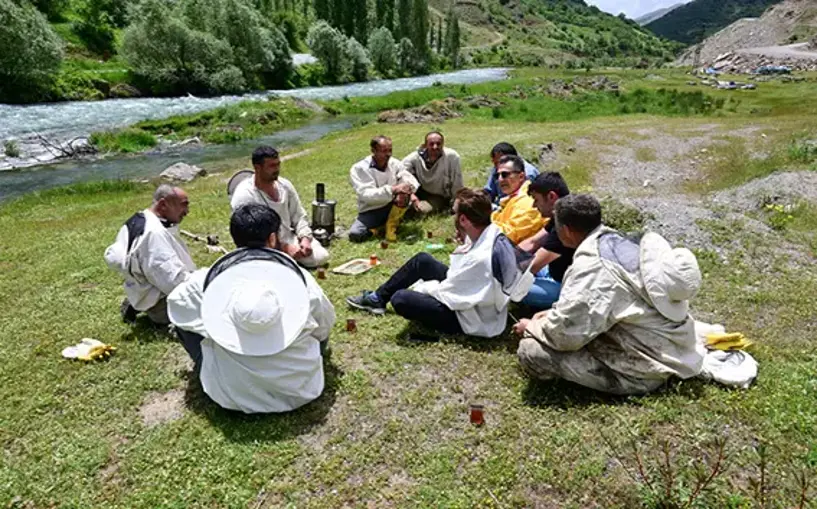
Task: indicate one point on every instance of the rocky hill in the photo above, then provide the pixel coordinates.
(656, 14)
(693, 22)
(787, 23)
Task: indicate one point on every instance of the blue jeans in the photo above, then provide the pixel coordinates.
(544, 292)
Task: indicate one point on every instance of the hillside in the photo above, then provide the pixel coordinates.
(546, 32)
(787, 22)
(699, 19)
(656, 14)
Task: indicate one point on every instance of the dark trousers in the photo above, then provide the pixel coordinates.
(419, 307)
(192, 344)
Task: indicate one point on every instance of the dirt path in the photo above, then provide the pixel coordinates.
(791, 51)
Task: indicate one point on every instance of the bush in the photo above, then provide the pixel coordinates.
(358, 60)
(174, 58)
(293, 26)
(11, 149)
(96, 28)
(31, 53)
(328, 45)
(383, 51)
(405, 57)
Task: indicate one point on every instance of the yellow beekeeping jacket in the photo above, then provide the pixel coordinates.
(517, 217)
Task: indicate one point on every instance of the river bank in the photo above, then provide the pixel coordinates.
(61, 122)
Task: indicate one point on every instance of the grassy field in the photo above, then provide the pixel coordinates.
(392, 426)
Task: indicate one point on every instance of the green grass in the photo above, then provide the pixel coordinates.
(228, 124)
(127, 140)
(392, 427)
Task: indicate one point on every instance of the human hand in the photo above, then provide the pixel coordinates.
(415, 202)
(401, 188)
(401, 200)
(520, 326)
(306, 246)
(293, 250)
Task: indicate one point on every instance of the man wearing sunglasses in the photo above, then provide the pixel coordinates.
(517, 218)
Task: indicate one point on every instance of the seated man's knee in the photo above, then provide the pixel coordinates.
(535, 360)
(423, 258)
(399, 301)
(359, 233)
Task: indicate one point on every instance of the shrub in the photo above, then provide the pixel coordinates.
(383, 51)
(31, 53)
(405, 57)
(358, 60)
(329, 47)
(11, 149)
(96, 27)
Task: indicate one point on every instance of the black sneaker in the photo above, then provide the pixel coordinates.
(127, 312)
(367, 301)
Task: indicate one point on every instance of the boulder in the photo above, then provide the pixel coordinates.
(123, 91)
(182, 172)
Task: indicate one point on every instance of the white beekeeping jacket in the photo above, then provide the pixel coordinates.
(280, 382)
(157, 262)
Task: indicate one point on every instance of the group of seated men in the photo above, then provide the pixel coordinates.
(611, 311)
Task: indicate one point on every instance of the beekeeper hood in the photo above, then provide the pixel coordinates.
(671, 277)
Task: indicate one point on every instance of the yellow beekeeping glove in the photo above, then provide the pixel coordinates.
(727, 341)
(88, 350)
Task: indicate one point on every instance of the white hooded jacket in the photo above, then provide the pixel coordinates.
(471, 290)
(606, 309)
(258, 384)
(157, 262)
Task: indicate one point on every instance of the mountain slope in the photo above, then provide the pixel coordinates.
(656, 14)
(544, 32)
(787, 22)
(699, 19)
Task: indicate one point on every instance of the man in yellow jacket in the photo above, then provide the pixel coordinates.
(517, 217)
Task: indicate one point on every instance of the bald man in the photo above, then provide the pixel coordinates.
(150, 255)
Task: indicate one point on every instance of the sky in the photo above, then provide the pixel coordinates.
(632, 8)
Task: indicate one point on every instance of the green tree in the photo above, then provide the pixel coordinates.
(359, 61)
(420, 34)
(384, 13)
(452, 38)
(328, 45)
(383, 51)
(405, 56)
(402, 26)
(323, 9)
(361, 19)
(439, 36)
(96, 26)
(31, 52)
(172, 57)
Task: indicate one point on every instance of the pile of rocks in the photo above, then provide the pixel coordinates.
(746, 63)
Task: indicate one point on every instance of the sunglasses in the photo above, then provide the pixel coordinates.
(506, 174)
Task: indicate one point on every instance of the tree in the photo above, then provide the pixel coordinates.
(384, 13)
(419, 36)
(172, 57)
(96, 26)
(359, 61)
(383, 51)
(452, 38)
(361, 18)
(439, 36)
(31, 54)
(328, 45)
(405, 56)
(323, 9)
(402, 26)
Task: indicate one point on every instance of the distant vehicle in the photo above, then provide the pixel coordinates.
(773, 69)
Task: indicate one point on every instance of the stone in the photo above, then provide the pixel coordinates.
(183, 172)
(123, 91)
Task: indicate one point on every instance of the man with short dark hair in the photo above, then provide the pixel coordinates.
(150, 255)
(516, 217)
(268, 188)
(622, 323)
(255, 322)
(552, 257)
(384, 191)
(497, 152)
(472, 295)
(437, 169)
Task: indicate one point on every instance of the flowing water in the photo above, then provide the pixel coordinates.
(64, 121)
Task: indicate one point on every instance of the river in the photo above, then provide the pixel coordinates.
(64, 121)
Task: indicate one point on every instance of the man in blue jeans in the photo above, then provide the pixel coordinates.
(546, 190)
(472, 295)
